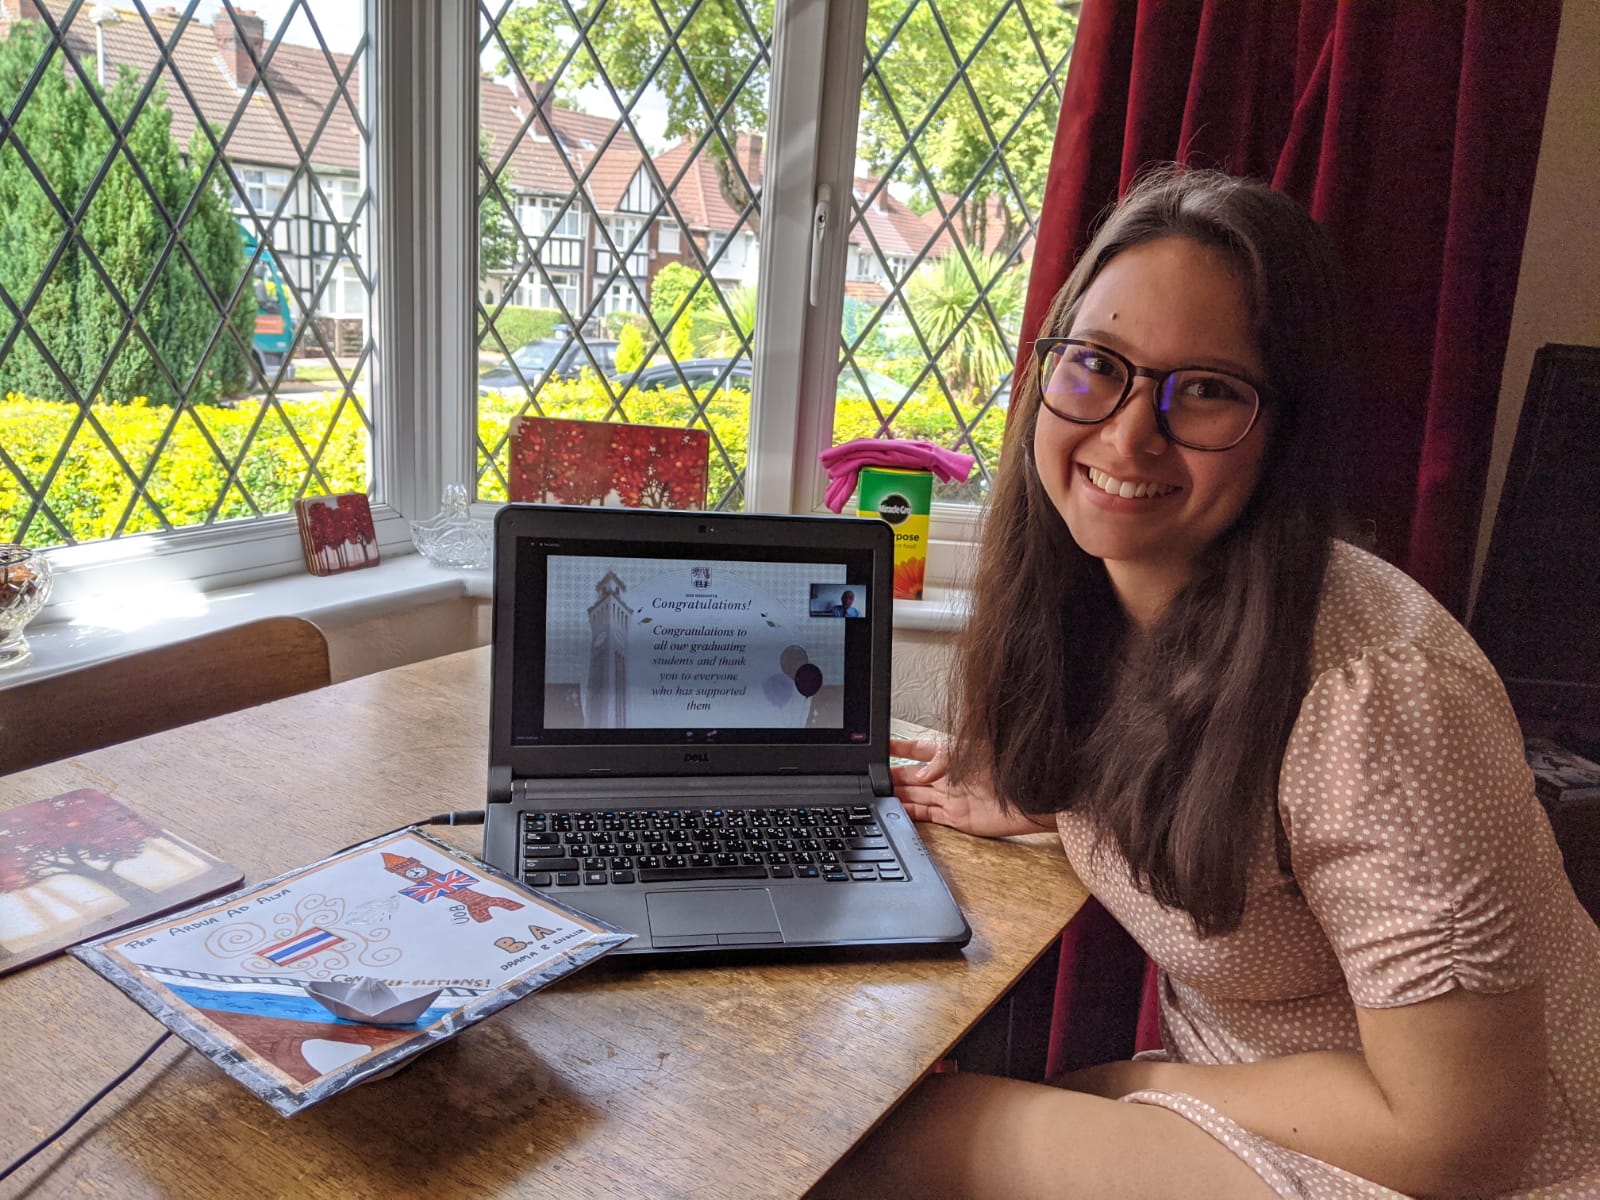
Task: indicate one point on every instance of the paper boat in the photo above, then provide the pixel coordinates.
(373, 1003)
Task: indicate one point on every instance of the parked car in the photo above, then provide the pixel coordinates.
(550, 358)
(860, 383)
(700, 373)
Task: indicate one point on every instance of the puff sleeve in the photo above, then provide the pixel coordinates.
(1413, 829)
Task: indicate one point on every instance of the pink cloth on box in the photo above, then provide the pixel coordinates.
(844, 462)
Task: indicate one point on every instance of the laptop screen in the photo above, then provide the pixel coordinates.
(648, 642)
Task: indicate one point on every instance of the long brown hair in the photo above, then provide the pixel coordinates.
(1171, 742)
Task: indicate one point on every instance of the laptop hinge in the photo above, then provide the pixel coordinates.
(499, 785)
(878, 775)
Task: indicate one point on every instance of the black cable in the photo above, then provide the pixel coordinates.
(92, 1101)
(468, 816)
(458, 817)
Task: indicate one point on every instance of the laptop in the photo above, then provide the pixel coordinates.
(689, 731)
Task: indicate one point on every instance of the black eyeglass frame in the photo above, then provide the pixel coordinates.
(1045, 346)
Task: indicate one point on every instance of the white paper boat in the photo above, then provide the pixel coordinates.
(373, 1003)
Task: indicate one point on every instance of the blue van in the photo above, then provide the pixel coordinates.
(274, 322)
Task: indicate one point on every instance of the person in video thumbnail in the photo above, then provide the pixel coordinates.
(846, 606)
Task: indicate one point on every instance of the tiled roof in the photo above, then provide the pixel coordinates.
(698, 194)
(506, 111)
(299, 77)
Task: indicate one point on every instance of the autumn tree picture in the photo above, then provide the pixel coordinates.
(337, 532)
(559, 461)
(80, 864)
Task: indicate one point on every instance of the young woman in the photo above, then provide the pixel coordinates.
(1284, 768)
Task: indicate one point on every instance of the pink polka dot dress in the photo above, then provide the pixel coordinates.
(1421, 861)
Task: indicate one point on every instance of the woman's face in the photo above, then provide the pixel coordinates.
(1163, 304)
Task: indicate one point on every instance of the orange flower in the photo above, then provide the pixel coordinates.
(908, 578)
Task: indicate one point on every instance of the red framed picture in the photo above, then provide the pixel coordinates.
(559, 461)
(337, 533)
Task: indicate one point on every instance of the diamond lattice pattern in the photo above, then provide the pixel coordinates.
(184, 300)
(958, 113)
(619, 189)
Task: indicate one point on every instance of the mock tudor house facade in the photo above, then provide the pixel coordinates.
(297, 149)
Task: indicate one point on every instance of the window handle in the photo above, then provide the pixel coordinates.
(819, 234)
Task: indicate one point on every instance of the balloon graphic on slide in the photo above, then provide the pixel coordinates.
(808, 680)
(792, 659)
(800, 674)
(778, 689)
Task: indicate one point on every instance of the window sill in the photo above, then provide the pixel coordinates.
(944, 610)
(91, 631)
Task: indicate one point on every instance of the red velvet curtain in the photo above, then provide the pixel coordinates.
(1410, 129)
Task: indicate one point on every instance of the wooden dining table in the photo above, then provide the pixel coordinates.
(736, 1080)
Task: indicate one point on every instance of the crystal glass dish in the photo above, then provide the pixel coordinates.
(454, 538)
(24, 587)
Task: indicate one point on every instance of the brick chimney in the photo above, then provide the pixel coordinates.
(236, 52)
(20, 10)
(750, 160)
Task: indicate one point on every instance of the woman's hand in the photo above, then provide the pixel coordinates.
(925, 789)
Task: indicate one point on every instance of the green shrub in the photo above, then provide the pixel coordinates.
(519, 326)
(630, 349)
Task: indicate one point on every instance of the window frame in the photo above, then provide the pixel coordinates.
(420, 91)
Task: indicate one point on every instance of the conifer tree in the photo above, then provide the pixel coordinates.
(92, 319)
(31, 227)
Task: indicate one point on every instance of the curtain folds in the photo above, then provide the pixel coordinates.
(1410, 129)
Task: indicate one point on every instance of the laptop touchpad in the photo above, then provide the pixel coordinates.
(712, 916)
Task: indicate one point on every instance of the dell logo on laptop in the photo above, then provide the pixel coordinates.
(696, 757)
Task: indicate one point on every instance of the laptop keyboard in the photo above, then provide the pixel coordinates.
(836, 844)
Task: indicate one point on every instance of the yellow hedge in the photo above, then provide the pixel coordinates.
(93, 496)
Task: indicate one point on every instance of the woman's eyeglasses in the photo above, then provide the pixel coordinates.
(1195, 406)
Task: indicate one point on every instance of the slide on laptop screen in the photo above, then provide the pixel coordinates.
(689, 730)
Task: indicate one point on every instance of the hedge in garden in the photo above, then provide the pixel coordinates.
(91, 493)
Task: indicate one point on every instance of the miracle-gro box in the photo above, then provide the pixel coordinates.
(903, 499)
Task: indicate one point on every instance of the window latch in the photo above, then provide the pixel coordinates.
(819, 234)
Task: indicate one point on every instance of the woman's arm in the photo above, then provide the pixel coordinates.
(1447, 1099)
(925, 789)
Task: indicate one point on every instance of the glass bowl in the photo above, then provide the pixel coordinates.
(25, 580)
(454, 538)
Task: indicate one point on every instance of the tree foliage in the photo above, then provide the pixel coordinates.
(708, 59)
(730, 327)
(943, 297)
(82, 317)
(1008, 65)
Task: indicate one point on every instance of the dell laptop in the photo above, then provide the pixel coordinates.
(689, 731)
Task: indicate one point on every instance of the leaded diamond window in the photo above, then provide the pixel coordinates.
(655, 109)
(185, 287)
(958, 113)
(641, 121)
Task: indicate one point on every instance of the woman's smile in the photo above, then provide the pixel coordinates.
(1114, 487)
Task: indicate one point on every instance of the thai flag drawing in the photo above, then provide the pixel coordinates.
(438, 885)
(307, 942)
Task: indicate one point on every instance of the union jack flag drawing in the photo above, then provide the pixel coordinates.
(304, 944)
(435, 886)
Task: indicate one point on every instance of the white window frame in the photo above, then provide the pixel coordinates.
(667, 237)
(420, 86)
